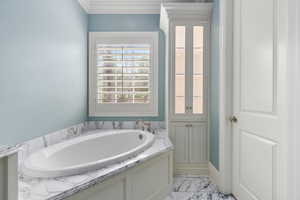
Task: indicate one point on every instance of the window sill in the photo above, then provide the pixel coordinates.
(119, 114)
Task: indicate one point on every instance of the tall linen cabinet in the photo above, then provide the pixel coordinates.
(187, 30)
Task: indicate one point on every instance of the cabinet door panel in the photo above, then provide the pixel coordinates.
(198, 143)
(156, 176)
(198, 69)
(180, 75)
(189, 74)
(113, 189)
(179, 136)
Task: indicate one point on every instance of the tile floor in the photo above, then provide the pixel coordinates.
(196, 188)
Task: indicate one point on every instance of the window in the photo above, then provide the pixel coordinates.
(123, 74)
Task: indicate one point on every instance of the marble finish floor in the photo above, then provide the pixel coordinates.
(196, 188)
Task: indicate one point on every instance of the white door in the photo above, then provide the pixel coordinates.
(258, 100)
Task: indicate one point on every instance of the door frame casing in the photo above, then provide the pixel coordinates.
(293, 100)
(226, 95)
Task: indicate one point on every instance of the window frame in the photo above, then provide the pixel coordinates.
(123, 110)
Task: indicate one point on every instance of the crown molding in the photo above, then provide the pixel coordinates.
(200, 10)
(121, 6)
(125, 6)
(133, 6)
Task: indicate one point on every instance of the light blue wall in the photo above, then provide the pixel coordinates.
(43, 67)
(134, 23)
(214, 104)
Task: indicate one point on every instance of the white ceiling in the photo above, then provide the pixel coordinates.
(127, 6)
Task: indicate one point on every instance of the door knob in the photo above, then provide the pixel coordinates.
(233, 119)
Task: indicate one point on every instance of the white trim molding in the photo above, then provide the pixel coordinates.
(128, 6)
(293, 136)
(124, 7)
(226, 95)
(192, 169)
(121, 7)
(214, 174)
(201, 11)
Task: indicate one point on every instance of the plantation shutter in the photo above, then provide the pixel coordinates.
(123, 73)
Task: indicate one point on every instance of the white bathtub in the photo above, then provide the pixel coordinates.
(87, 153)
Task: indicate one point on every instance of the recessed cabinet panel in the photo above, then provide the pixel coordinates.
(190, 142)
(111, 189)
(198, 143)
(180, 69)
(148, 181)
(198, 46)
(179, 136)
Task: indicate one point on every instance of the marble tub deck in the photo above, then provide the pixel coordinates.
(63, 187)
(196, 188)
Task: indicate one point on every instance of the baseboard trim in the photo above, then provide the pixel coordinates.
(192, 169)
(214, 174)
(162, 194)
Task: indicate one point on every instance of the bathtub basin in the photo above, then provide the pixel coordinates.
(87, 153)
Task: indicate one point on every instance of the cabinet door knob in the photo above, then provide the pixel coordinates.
(233, 119)
(188, 107)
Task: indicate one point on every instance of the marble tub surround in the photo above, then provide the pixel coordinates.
(27, 147)
(36, 144)
(8, 150)
(93, 151)
(3, 148)
(139, 124)
(60, 188)
(196, 188)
